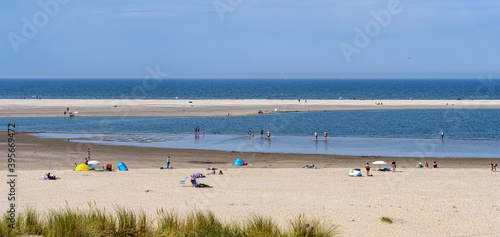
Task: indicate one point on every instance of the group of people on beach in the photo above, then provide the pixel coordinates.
(197, 132)
(316, 135)
(261, 133)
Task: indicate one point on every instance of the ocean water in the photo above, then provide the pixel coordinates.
(426, 124)
(353, 146)
(469, 133)
(250, 88)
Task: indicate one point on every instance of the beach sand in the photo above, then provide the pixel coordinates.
(459, 199)
(177, 108)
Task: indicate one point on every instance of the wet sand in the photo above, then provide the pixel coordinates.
(461, 198)
(213, 108)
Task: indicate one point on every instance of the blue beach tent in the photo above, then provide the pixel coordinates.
(239, 162)
(122, 167)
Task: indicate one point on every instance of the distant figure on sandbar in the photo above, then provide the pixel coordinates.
(442, 135)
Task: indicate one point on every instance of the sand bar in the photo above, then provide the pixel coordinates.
(461, 198)
(213, 108)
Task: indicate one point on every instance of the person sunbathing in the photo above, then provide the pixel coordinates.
(51, 177)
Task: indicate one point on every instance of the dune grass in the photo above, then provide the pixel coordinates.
(123, 222)
(386, 220)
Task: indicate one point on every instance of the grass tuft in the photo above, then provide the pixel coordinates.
(302, 226)
(386, 220)
(123, 222)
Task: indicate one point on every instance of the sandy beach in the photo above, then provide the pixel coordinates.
(461, 198)
(212, 108)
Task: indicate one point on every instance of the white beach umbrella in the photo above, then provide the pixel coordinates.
(75, 112)
(379, 162)
(94, 162)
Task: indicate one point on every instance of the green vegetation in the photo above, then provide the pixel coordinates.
(386, 220)
(97, 222)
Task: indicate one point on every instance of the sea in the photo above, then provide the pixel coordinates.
(398, 133)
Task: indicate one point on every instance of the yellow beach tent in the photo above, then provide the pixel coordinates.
(82, 167)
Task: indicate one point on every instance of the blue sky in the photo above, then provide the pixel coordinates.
(250, 38)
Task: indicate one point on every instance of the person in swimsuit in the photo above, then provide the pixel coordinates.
(435, 165)
(326, 135)
(269, 134)
(316, 135)
(426, 164)
(393, 165)
(442, 135)
(261, 132)
(367, 167)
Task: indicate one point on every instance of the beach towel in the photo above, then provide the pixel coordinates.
(201, 185)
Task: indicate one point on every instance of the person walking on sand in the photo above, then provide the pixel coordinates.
(367, 167)
(393, 166)
(168, 162)
(442, 135)
(316, 136)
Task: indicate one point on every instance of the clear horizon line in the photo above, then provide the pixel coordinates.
(252, 78)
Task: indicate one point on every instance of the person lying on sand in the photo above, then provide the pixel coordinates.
(51, 177)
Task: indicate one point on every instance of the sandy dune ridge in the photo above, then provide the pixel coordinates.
(209, 108)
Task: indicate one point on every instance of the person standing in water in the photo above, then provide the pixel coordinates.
(316, 136)
(442, 135)
(326, 135)
(268, 134)
(261, 132)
